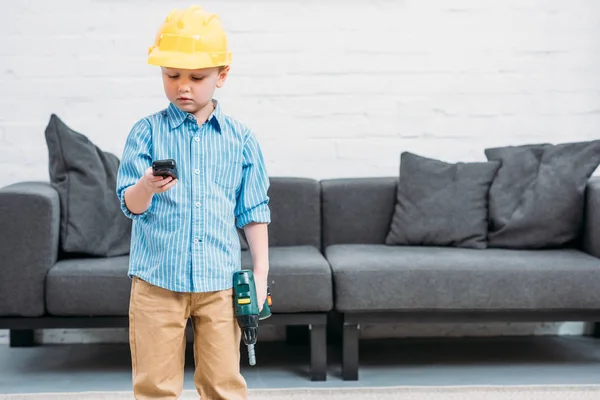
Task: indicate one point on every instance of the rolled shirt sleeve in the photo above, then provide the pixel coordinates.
(134, 162)
(253, 201)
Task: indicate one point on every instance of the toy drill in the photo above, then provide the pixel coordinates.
(246, 309)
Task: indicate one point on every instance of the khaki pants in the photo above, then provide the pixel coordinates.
(157, 321)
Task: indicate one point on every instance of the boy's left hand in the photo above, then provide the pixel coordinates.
(261, 290)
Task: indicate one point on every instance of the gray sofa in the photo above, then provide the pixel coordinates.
(375, 283)
(328, 255)
(42, 288)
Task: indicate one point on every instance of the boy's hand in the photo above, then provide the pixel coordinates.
(157, 184)
(261, 290)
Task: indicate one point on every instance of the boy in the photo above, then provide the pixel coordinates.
(185, 245)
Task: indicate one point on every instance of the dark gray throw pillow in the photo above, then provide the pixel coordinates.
(91, 220)
(441, 204)
(537, 197)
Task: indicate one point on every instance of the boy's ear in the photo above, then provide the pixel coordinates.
(223, 73)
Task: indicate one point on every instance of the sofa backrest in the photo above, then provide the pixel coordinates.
(357, 210)
(295, 205)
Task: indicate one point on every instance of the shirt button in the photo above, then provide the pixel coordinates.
(197, 204)
(196, 240)
(197, 171)
(197, 139)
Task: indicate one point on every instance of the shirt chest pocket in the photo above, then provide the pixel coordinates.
(228, 170)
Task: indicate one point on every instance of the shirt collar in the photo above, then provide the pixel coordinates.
(217, 116)
(177, 116)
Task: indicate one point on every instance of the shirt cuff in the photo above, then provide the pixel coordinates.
(259, 214)
(131, 215)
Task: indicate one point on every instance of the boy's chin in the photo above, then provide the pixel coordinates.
(187, 106)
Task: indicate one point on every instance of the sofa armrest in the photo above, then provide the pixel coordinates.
(591, 233)
(29, 225)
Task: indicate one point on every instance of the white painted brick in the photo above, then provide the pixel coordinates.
(333, 168)
(389, 149)
(330, 89)
(305, 150)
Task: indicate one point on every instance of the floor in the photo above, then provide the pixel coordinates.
(449, 361)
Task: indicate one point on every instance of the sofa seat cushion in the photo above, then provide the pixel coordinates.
(408, 278)
(299, 278)
(89, 287)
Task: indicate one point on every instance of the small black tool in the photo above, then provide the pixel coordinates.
(165, 168)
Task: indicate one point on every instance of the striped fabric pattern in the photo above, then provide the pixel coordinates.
(187, 240)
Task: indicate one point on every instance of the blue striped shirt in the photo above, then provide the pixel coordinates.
(187, 240)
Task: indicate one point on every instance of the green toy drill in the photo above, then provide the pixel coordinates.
(246, 309)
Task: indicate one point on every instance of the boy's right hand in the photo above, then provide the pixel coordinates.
(157, 184)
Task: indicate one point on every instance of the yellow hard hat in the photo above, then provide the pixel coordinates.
(190, 39)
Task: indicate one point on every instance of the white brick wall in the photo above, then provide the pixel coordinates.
(331, 88)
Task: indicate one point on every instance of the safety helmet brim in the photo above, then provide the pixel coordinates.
(174, 59)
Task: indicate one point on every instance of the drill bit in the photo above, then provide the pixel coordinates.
(251, 355)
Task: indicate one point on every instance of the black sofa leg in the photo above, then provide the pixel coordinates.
(350, 352)
(22, 338)
(596, 330)
(318, 352)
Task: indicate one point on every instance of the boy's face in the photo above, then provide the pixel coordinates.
(192, 89)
